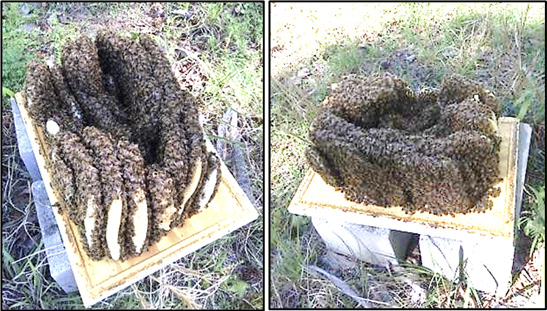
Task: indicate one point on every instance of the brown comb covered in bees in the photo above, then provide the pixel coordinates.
(380, 143)
(126, 150)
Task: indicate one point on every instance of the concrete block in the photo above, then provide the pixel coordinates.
(23, 142)
(484, 262)
(525, 135)
(377, 246)
(59, 266)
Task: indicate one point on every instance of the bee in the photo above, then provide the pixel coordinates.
(88, 202)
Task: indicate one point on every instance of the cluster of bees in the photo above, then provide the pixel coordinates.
(127, 152)
(380, 143)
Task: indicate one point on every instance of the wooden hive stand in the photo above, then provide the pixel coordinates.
(229, 210)
(482, 242)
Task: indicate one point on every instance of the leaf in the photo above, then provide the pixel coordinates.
(523, 103)
(298, 221)
(533, 221)
(7, 92)
(134, 35)
(8, 263)
(239, 287)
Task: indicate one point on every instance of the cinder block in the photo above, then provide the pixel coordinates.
(525, 135)
(378, 246)
(59, 266)
(485, 262)
(23, 142)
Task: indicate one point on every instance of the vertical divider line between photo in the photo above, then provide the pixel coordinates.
(266, 150)
(267, 154)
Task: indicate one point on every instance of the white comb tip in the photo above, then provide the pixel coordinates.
(52, 127)
(50, 63)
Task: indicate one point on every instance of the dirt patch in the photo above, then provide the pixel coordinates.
(404, 63)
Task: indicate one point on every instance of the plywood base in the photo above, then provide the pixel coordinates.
(315, 197)
(228, 210)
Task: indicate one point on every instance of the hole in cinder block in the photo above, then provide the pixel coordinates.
(521, 254)
(402, 242)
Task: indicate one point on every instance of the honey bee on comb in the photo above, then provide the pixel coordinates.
(43, 98)
(209, 183)
(136, 212)
(182, 125)
(380, 143)
(106, 160)
(129, 61)
(84, 75)
(127, 152)
(89, 212)
(163, 210)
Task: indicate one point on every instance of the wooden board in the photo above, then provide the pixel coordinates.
(315, 197)
(228, 210)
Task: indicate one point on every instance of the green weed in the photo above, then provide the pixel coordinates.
(17, 45)
(532, 221)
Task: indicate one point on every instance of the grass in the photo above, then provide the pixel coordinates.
(499, 45)
(16, 42)
(532, 221)
(216, 52)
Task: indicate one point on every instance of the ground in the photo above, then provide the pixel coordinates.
(216, 52)
(312, 45)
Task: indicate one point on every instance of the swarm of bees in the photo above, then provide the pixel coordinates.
(126, 149)
(380, 143)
